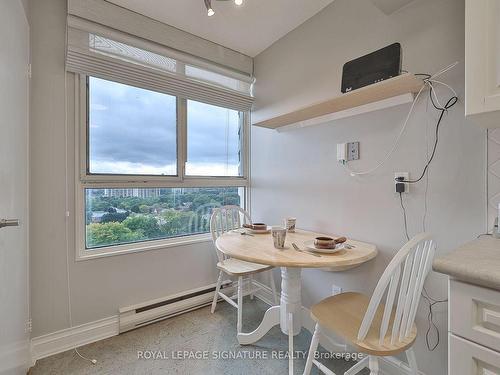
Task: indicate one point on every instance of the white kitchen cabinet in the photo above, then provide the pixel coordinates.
(482, 62)
(474, 332)
(468, 358)
(475, 313)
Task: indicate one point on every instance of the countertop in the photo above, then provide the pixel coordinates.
(477, 262)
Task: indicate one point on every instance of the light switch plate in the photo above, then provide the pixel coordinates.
(342, 152)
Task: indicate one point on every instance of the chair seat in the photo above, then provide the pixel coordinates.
(240, 268)
(343, 315)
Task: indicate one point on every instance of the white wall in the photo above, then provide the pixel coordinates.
(493, 175)
(295, 172)
(98, 287)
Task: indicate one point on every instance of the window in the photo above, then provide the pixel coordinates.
(128, 215)
(131, 131)
(153, 167)
(214, 144)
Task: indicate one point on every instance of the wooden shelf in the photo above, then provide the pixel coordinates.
(379, 92)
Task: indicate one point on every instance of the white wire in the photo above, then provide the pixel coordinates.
(396, 143)
(444, 70)
(446, 85)
(428, 82)
(68, 280)
(433, 93)
(424, 217)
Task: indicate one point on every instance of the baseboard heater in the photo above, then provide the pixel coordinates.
(139, 315)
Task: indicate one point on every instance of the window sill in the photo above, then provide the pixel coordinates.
(84, 254)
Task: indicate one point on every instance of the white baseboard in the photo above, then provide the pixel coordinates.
(15, 359)
(70, 338)
(265, 294)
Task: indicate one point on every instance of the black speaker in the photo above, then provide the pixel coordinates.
(372, 68)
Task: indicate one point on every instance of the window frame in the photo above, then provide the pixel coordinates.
(85, 180)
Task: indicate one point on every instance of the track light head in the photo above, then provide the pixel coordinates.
(210, 10)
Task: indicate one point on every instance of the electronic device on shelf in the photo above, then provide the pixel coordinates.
(372, 68)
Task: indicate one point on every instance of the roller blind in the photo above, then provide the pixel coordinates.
(109, 54)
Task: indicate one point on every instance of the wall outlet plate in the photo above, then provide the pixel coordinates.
(347, 151)
(406, 177)
(352, 151)
(336, 290)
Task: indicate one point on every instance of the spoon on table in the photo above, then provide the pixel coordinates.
(343, 240)
(244, 233)
(303, 251)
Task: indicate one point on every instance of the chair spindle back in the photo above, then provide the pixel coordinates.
(225, 219)
(408, 270)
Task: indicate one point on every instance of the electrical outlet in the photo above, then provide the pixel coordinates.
(336, 290)
(28, 327)
(406, 177)
(353, 151)
(347, 152)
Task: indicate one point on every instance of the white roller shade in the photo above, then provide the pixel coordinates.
(105, 53)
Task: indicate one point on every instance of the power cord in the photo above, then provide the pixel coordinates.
(449, 104)
(430, 318)
(430, 300)
(404, 216)
(429, 80)
(432, 327)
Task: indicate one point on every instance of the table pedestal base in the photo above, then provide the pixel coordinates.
(290, 313)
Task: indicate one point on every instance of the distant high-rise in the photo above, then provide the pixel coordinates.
(132, 192)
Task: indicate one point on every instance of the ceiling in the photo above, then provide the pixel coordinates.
(249, 28)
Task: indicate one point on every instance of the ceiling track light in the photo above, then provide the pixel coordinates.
(211, 11)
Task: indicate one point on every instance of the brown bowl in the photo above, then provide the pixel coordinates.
(259, 226)
(324, 242)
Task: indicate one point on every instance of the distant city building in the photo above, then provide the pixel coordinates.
(133, 192)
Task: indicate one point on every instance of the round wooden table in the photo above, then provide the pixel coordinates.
(259, 248)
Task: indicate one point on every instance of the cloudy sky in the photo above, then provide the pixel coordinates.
(132, 131)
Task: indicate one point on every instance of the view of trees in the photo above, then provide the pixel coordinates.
(118, 216)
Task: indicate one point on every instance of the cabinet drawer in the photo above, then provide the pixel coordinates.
(468, 358)
(475, 314)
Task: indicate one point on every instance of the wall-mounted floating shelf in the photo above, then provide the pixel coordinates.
(388, 93)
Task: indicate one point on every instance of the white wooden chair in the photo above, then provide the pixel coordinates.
(371, 326)
(225, 219)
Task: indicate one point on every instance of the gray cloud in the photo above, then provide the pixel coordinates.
(132, 125)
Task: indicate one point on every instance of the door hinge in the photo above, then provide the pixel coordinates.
(29, 326)
(29, 70)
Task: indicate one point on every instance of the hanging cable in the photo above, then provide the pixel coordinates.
(394, 147)
(430, 318)
(428, 82)
(426, 191)
(68, 281)
(450, 103)
(405, 218)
